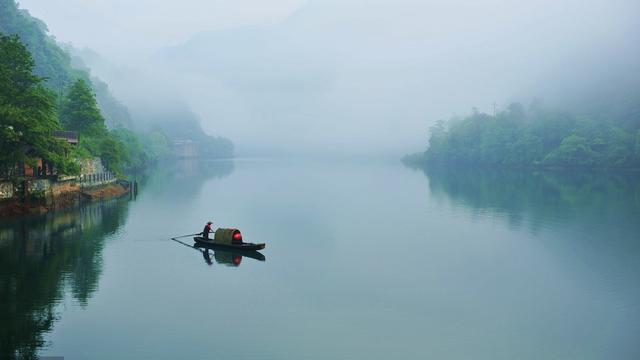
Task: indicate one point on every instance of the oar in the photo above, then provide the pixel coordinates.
(178, 237)
(185, 244)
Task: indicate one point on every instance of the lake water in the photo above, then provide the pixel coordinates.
(364, 260)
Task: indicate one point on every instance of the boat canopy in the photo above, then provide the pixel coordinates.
(227, 236)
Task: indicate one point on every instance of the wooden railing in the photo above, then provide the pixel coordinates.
(97, 179)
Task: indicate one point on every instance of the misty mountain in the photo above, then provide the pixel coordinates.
(156, 105)
(61, 65)
(54, 63)
(346, 74)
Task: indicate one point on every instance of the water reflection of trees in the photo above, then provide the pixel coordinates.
(542, 197)
(184, 177)
(586, 221)
(43, 257)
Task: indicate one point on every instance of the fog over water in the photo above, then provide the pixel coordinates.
(364, 260)
(353, 76)
(524, 245)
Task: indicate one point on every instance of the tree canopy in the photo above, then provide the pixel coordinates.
(54, 62)
(44, 89)
(537, 137)
(79, 111)
(27, 112)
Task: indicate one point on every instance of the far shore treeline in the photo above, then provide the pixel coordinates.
(42, 89)
(538, 137)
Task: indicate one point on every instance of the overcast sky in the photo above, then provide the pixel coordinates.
(364, 75)
(115, 27)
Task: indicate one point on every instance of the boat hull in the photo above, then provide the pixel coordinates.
(241, 246)
(244, 253)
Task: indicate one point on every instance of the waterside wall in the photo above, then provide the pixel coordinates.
(41, 194)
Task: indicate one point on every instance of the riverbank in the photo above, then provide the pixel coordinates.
(419, 161)
(105, 192)
(73, 195)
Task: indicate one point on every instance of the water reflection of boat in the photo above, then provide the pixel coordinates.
(221, 253)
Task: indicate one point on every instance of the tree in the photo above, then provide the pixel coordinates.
(538, 137)
(79, 111)
(112, 155)
(55, 61)
(27, 113)
(158, 143)
(134, 155)
(573, 151)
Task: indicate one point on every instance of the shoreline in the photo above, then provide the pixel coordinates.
(17, 207)
(422, 164)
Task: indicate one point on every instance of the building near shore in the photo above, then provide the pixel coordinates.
(41, 184)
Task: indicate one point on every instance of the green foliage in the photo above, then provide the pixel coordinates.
(537, 196)
(85, 105)
(27, 108)
(157, 143)
(216, 147)
(537, 137)
(112, 154)
(116, 115)
(37, 195)
(134, 155)
(27, 113)
(54, 63)
(182, 124)
(69, 264)
(573, 151)
(50, 60)
(79, 111)
(120, 149)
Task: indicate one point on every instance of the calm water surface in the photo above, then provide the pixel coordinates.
(367, 260)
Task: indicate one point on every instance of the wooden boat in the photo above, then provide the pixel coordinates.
(232, 245)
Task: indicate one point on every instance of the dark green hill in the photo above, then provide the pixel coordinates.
(539, 137)
(55, 64)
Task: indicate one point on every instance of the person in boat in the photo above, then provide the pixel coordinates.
(207, 229)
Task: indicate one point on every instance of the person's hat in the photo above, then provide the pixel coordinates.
(210, 222)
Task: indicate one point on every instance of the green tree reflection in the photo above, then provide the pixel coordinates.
(185, 177)
(541, 197)
(589, 217)
(43, 257)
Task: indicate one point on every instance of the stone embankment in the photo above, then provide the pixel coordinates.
(40, 195)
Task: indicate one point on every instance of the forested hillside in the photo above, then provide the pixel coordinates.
(72, 94)
(539, 137)
(67, 97)
(55, 64)
(27, 114)
(155, 104)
